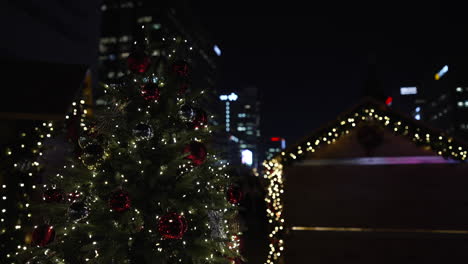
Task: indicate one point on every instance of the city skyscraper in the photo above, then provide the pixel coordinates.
(241, 124)
(440, 98)
(123, 23)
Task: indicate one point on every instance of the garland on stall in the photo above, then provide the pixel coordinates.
(367, 112)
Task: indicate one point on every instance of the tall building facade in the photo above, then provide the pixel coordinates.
(123, 24)
(446, 103)
(241, 124)
(439, 97)
(273, 146)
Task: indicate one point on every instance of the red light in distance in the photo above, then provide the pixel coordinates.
(389, 100)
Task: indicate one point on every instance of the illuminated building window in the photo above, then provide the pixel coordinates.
(459, 89)
(460, 104)
(124, 38)
(126, 5)
(111, 75)
(107, 40)
(240, 128)
(466, 103)
(241, 115)
(408, 90)
(247, 106)
(145, 19)
(249, 132)
(247, 157)
(417, 117)
(102, 48)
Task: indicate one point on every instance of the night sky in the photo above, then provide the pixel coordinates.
(310, 63)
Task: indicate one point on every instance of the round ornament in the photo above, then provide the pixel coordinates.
(138, 62)
(90, 137)
(186, 113)
(78, 211)
(92, 155)
(196, 152)
(143, 132)
(172, 226)
(234, 194)
(119, 201)
(150, 92)
(53, 196)
(43, 235)
(181, 68)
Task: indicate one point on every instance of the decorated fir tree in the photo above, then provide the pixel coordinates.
(144, 186)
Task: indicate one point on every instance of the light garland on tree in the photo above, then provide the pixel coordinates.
(117, 163)
(438, 142)
(29, 167)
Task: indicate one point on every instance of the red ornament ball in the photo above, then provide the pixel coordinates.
(196, 152)
(172, 226)
(200, 120)
(43, 235)
(181, 68)
(119, 201)
(150, 92)
(138, 62)
(53, 195)
(234, 194)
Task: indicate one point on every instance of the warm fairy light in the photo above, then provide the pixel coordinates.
(99, 175)
(274, 168)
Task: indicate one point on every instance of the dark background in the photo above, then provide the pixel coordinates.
(310, 60)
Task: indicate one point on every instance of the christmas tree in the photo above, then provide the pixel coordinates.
(144, 185)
